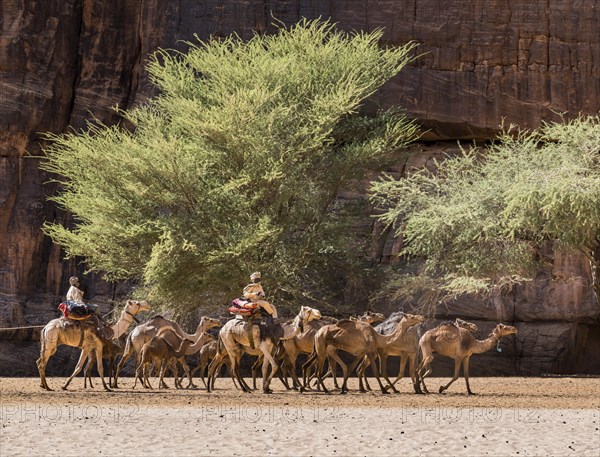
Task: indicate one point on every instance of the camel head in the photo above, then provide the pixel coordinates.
(503, 330)
(209, 322)
(413, 319)
(466, 325)
(372, 318)
(306, 315)
(134, 306)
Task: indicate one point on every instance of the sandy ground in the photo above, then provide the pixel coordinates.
(509, 416)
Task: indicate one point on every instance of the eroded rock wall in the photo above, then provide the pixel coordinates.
(480, 62)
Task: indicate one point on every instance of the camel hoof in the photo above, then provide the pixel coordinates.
(441, 389)
(267, 391)
(385, 392)
(471, 393)
(342, 392)
(64, 387)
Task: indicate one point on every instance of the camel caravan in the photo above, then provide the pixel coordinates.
(161, 344)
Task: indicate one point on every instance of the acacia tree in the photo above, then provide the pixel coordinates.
(233, 167)
(479, 219)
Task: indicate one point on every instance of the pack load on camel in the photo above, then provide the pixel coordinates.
(243, 307)
(76, 311)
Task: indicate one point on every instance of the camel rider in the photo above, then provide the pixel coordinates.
(255, 293)
(75, 295)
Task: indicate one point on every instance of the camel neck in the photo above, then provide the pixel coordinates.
(122, 324)
(392, 338)
(480, 346)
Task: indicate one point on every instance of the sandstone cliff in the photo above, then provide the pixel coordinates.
(481, 62)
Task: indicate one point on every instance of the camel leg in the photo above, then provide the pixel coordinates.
(187, 371)
(457, 364)
(100, 364)
(320, 363)
(80, 362)
(383, 370)
(87, 371)
(377, 374)
(403, 360)
(163, 369)
(466, 375)
(422, 371)
(292, 364)
(126, 354)
(335, 359)
(49, 343)
(212, 368)
(305, 368)
(266, 349)
(146, 379)
(349, 370)
(235, 365)
(257, 364)
(333, 368)
(362, 369)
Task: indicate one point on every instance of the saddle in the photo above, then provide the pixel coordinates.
(86, 317)
(75, 311)
(242, 307)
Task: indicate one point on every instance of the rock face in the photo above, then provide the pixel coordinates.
(521, 60)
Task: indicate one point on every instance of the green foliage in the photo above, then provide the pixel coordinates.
(234, 167)
(479, 218)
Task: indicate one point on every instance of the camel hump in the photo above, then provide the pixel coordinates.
(346, 323)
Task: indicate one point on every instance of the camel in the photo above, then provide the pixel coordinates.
(146, 331)
(458, 344)
(359, 339)
(368, 317)
(407, 348)
(112, 349)
(205, 356)
(73, 333)
(161, 351)
(234, 338)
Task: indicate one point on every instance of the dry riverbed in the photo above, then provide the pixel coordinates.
(509, 416)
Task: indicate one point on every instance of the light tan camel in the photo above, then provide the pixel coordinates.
(74, 333)
(111, 350)
(407, 348)
(234, 338)
(146, 331)
(161, 351)
(458, 344)
(359, 339)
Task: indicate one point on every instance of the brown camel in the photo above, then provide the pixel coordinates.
(368, 317)
(458, 344)
(160, 351)
(234, 338)
(205, 356)
(74, 333)
(112, 349)
(407, 348)
(359, 339)
(146, 331)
